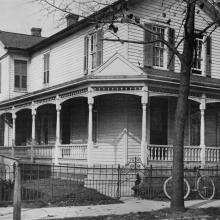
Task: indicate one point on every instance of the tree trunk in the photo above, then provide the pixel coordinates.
(177, 202)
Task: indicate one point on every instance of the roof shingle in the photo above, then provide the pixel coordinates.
(18, 41)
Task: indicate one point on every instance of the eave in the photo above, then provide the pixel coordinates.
(159, 79)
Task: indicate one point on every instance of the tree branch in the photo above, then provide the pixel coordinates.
(175, 51)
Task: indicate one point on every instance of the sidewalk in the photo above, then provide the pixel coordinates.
(129, 205)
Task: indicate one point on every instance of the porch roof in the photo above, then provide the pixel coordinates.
(159, 78)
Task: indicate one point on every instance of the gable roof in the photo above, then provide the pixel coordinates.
(211, 10)
(18, 41)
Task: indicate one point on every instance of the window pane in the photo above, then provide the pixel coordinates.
(47, 76)
(46, 67)
(44, 77)
(197, 56)
(24, 82)
(20, 67)
(17, 81)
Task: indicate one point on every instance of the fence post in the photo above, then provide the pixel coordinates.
(17, 194)
(150, 183)
(119, 183)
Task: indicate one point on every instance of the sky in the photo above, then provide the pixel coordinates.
(21, 15)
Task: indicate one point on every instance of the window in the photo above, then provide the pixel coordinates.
(158, 48)
(46, 67)
(157, 54)
(93, 51)
(198, 63)
(202, 56)
(20, 74)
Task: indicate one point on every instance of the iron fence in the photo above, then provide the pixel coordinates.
(6, 183)
(50, 183)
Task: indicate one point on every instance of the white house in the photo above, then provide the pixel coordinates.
(73, 98)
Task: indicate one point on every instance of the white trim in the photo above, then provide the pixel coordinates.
(137, 70)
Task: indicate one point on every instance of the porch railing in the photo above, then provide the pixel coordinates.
(160, 152)
(73, 151)
(5, 151)
(165, 153)
(212, 154)
(43, 151)
(22, 151)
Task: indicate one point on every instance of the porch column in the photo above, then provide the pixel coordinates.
(144, 151)
(56, 155)
(90, 125)
(202, 131)
(13, 133)
(33, 132)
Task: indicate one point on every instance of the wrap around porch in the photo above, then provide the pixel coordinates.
(110, 129)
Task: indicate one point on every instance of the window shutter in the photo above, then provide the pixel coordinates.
(171, 55)
(148, 48)
(99, 47)
(208, 56)
(86, 50)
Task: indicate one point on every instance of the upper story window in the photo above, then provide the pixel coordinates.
(202, 56)
(158, 47)
(20, 81)
(157, 54)
(198, 56)
(93, 51)
(46, 67)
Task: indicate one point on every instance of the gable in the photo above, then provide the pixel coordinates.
(118, 65)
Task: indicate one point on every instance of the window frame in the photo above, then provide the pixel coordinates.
(91, 54)
(22, 77)
(165, 49)
(201, 71)
(46, 68)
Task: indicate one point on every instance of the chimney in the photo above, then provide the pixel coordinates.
(71, 19)
(36, 32)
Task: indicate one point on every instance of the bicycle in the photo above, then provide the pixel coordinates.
(203, 184)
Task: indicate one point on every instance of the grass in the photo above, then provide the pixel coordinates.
(58, 192)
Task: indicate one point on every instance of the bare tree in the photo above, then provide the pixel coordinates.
(186, 39)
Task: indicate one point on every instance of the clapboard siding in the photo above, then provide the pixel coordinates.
(118, 128)
(4, 94)
(67, 57)
(111, 48)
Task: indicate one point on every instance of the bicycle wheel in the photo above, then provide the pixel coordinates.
(206, 187)
(168, 187)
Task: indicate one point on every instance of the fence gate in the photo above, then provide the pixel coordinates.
(130, 177)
